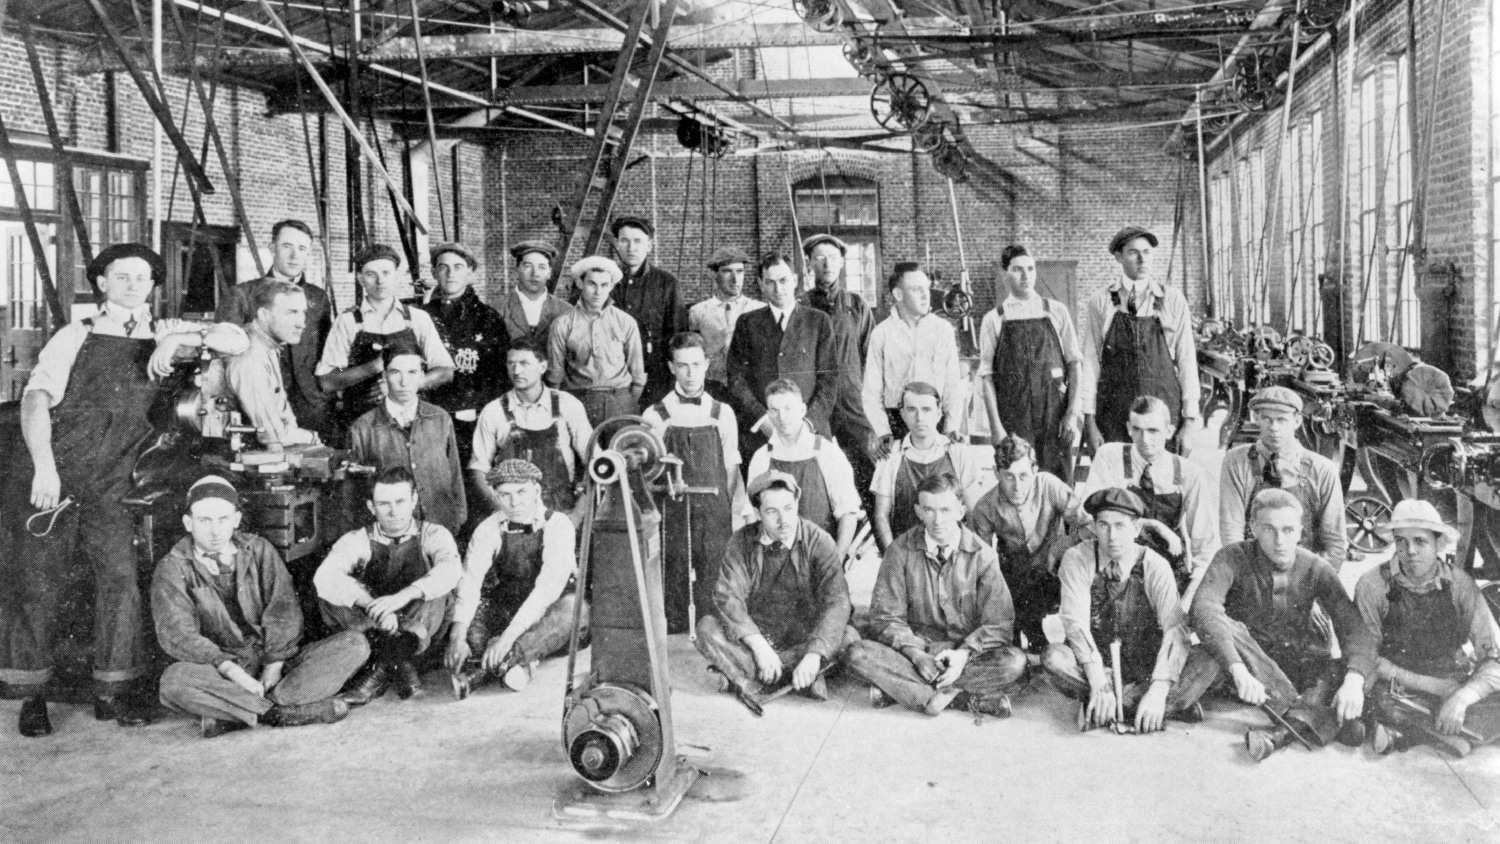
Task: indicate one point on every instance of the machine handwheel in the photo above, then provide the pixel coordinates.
(822, 15)
(1365, 519)
(631, 436)
(900, 101)
(1299, 350)
(1321, 356)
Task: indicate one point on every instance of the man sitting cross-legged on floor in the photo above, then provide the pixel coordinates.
(1422, 610)
(391, 581)
(225, 609)
(1115, 590)
(516, 601)
(941, 618)
(781, 604)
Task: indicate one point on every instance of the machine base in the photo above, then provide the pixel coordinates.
(581, 802)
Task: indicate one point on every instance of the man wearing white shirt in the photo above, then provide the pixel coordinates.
(715, 317)
(257, 376)
(912, 344)
(923, 453)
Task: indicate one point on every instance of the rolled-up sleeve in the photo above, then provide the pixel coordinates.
(336, 347)
(838, 476)
(1235, 484)
(1199, 520)
(334, 580)
(1076, 574)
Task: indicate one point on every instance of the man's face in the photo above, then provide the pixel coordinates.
(212, 522)
(392, 506)
(378, 278)
(778, 284)
(1135, 259)
(922, 414)
(453, 274)
(690, 368)
(403, 378)
(1417, 552)
(778, 515)
(729, 279)
(126, 282)
(787, 410)
(533, 272)
(1149, 432)
(525, 369)
(940, 513)
(634, 246)
(1278, 427)
(1277, 531)
(1116, 532)
(290, 252)
(1021, 276)
(1016, 480)
(595, 290)
(914, 295)
(518, 501)
(826, 262)
(286, 319)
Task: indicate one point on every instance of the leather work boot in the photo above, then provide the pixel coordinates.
(371, 682)
(996, 704)
(879, 699)
(465, 681)
(1261, 743)
(818, 689)
(215, 727)
(326, 711)
(1192, 714)
(34, 722)
(406, 680)
(124, 709)
(1383, 739)
(1351, 733)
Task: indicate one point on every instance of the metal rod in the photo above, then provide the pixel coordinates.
(65, 161)
(1208, 270)
(156, 139)
(437, 177)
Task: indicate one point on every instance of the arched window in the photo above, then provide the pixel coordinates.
(849, 208)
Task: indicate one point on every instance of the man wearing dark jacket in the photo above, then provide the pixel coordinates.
(650, 295)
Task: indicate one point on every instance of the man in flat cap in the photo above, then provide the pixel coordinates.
(227, 613)
(516, 601)
(912, 344)
(528, 309)
(1278, 460)
(651, 296)
(1423, 610)
(474, 335)
(595, 351)
(715, 317)
(1253, 613)
(1115, 590)
(1137, 341)
(84, 418)
(781, 605)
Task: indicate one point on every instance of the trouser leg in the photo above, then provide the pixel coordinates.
(319, 670)
(106, 534)
(1002, 669)
(1035, 594)
(200, 690)
(888, 670)
(40, 576)
(732, 659)
(552, 632)
(1200, 673)
(423, 619)
(1062, 668)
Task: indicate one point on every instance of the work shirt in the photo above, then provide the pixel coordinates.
(238, 307)
(1077, 572)
(260, 623)
(1166, 303)
(901, 353)
(851, 316)
(995, 518)
(1243, 585)
(595, 351)
(1371, 595)
(493, 429)
(715, 319)
(341, 338)
(337, 578)
(427, 446)
(838, 474)
(816, 567)
(1199, 528)
(966, 467)
(559, 564)
(257, 379)
(651, 296)
(919, 599)
(1237, 480)
(1018, 309)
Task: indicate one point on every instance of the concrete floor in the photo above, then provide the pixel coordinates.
(490, 768)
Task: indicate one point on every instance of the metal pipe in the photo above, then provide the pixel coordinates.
(1208, 269)
(156, 133)
(437, 177)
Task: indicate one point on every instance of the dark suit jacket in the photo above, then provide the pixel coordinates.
(807, 353)
(238, 307)
(515, 318)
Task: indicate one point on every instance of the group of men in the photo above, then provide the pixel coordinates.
(800, 410)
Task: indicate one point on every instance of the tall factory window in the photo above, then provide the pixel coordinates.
(1252, 198)
(1222, 240)
(111, 202)
(1399, 176)
(1366, 262)
(849, 208)
(1305, 233)
(1494, 315)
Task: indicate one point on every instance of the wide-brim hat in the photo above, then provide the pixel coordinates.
(101, 262)
(1414, 514)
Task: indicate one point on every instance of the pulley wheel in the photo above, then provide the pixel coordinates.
(1365, 521)
(900, 100)
(613, 737)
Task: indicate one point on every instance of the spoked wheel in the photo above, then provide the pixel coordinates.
(1365, 519)
(900, 101)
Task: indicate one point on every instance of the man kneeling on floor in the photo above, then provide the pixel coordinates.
(516, 601)
(781, 605)
(392, 582)
(1254, 614)
(1422, 610)
(225, 609)
(941, 616)
(1115, 590)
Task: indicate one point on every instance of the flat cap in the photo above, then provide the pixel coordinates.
(596, 262)
(457, 249)
(728, 255)
(813, 240)
(1128, 234)
(1118, 499)
(634, 222)
(772, 478)
(1276, 397)
(100, 265)
(514, 471)
(212, 486)
(526, 247)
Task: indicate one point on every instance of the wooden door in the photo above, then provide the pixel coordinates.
(25, 323)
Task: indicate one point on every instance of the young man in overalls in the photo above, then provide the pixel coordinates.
(392, 581)
(1137, 341)
(516, 601)
(1113, 589)
(1029, 356)
(1277, 460)
(84, 417)
(1027, 519)
(1422, 611)
(351, 361)
(921, 454)
(545, 427)
(703, 433)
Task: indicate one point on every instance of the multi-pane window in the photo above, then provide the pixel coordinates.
(38, 178)
(110, 207)
(1489, 325)
(1366, 262)
(26, 303)
(849, 208)
(1305, 230)
(1251, 179)
(1222, 238)
(1398, 180)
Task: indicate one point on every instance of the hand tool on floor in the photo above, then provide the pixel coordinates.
(1286, 725)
